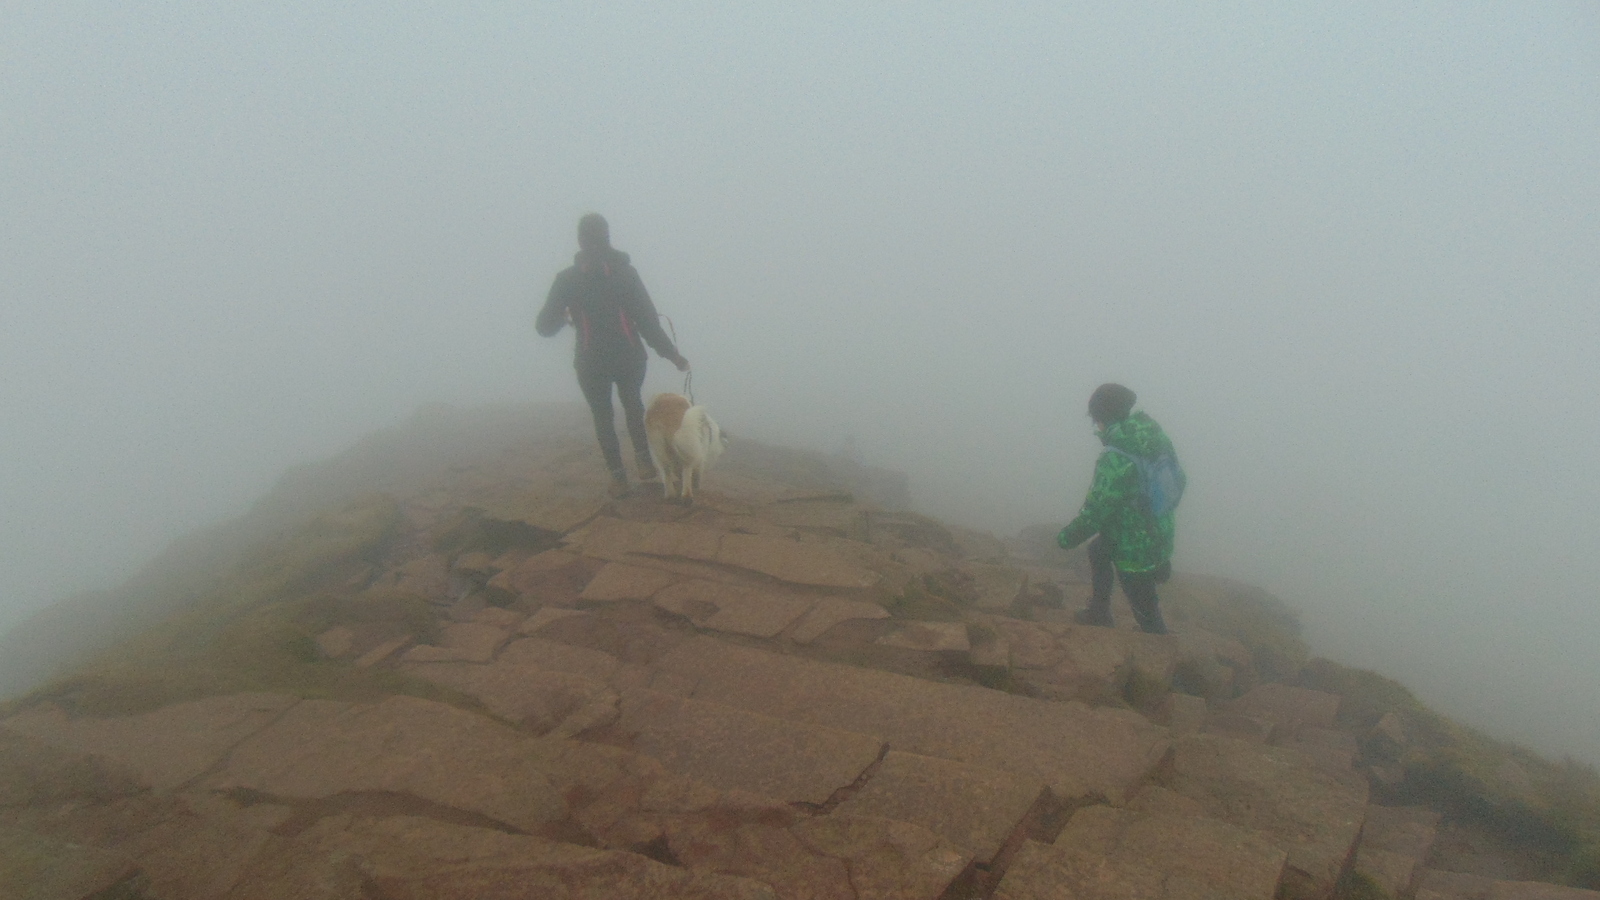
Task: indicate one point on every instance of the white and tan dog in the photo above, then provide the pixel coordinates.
(684, 440)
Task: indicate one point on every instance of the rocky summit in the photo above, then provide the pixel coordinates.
(447, 668)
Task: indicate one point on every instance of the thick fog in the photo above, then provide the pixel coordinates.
(1349, 257)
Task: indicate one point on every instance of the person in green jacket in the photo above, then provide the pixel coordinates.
(1130, 542)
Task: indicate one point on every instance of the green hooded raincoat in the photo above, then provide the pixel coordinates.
(1116, 509)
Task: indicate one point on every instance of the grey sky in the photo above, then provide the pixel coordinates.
(1348, 255)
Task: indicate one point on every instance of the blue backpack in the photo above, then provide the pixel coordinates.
(1160, 479)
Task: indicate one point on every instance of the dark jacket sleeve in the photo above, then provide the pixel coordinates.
(644, 316)
(553, 317)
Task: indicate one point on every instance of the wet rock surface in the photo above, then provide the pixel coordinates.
(782, 691)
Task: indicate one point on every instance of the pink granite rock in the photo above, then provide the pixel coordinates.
(973, 807)
(404, 745)
(732, 749)
(1107, 853)
(620, 581)
(1313, 815)
(830, 611)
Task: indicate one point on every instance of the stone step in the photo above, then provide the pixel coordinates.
(1314, 815)
(1080, 753)
(1106, 853)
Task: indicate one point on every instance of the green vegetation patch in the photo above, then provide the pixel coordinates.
(1550, 811)
(256, 629)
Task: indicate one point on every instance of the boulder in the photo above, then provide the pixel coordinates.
(1107, 853)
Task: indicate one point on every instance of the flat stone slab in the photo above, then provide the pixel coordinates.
(475, 641)
(415, 857)
(551, 656)
(997, 586)
(1289, 707)
(732, 608)
(620, 581)
(554, 514)
(34, 867)
(793, 561)
(321, 748)
(1116, 854)
(164, 749)
(1079, 752)
(1314, 815)
(547, 616)
(538, 699)
(732, 749)
(933, 637)
(830, 611)
(973, 807)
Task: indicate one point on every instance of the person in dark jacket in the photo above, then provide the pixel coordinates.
(605, 300)
(1130, 542)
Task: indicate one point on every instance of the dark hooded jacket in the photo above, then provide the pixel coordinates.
(1116, 509)
(606, 302)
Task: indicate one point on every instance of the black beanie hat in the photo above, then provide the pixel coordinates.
(1110, 403)
(593, 229)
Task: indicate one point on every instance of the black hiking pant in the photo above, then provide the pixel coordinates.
(1139, 586)
(596, 378)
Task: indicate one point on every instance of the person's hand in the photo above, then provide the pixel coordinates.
(681, 363)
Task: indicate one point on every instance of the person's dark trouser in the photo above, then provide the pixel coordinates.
(596, 381)
(1139, 586)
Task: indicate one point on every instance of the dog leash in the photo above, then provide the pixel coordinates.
(688, 377)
